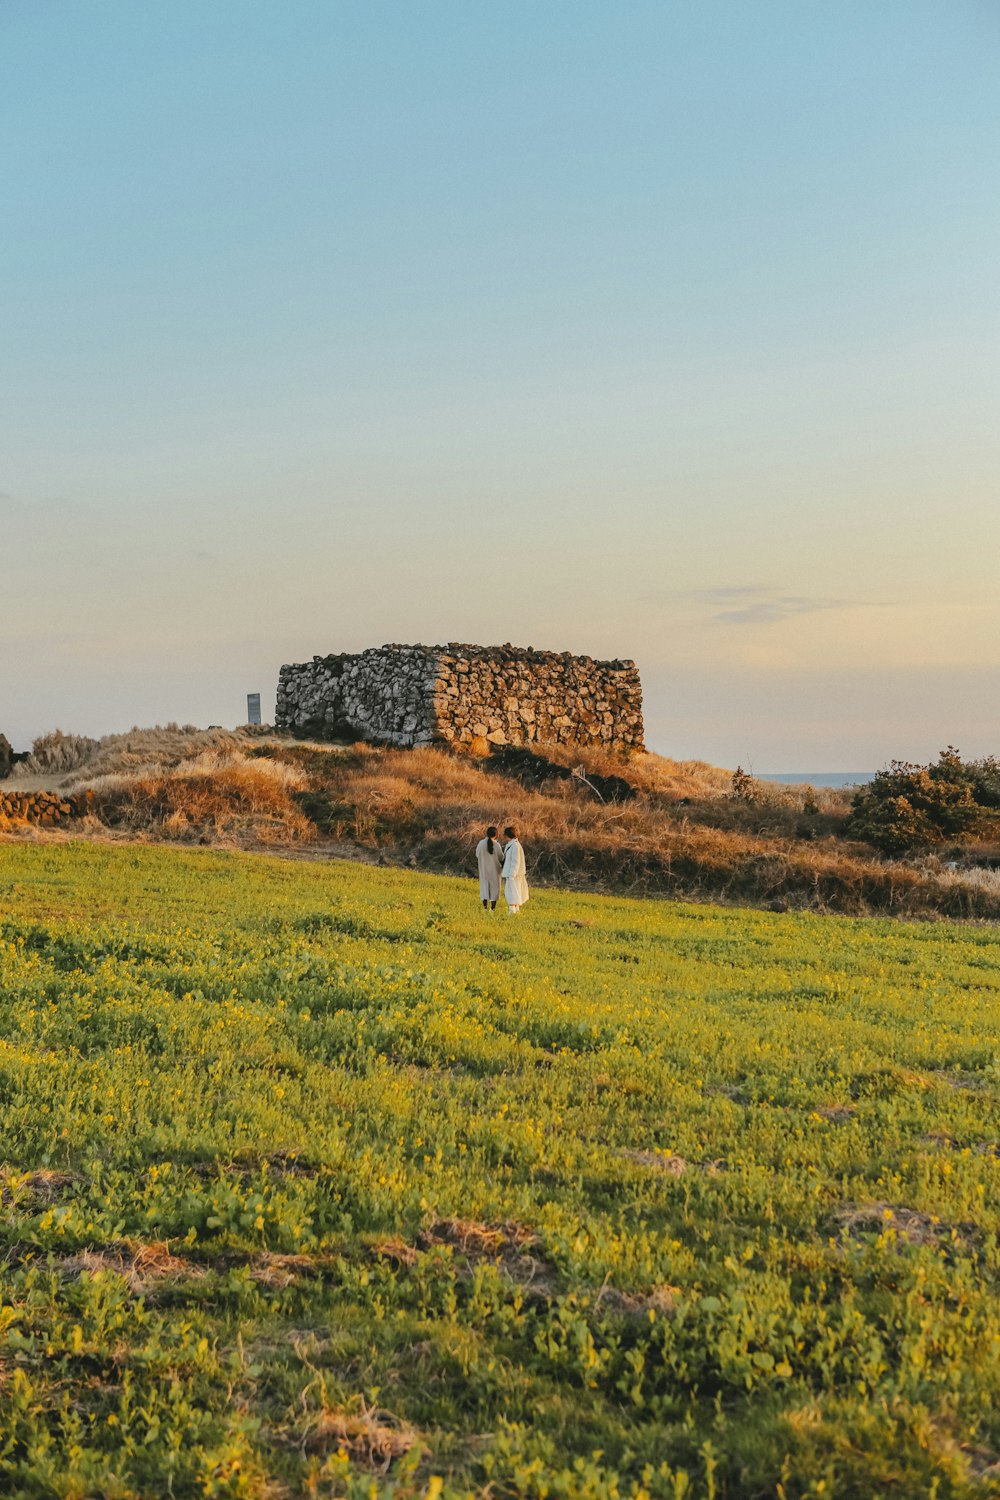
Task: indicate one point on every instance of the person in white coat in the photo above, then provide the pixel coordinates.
(489, 858)
(515, 882)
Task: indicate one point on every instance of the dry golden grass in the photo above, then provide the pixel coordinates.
(434, 807)
(45, 1185)
(649, 773)
(683, 833)
(372, 1437)
(275, 1270)
(481, 1240)
(140, 1264)
(70, 760)
(221, 793)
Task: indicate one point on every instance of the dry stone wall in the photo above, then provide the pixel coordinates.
(384, 693)
(47, 809)
(457, 694)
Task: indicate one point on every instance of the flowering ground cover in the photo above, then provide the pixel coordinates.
(318, 1180)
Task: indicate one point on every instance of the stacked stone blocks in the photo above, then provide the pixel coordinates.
(47, 809)
(459, 694)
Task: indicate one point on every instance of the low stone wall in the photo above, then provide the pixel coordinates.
(457, 694)
(44, 809)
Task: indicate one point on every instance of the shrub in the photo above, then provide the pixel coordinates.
(906, 806)
(743, 786)
(983, 780)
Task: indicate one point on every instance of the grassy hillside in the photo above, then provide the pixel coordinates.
(320, 1181)
(683, 829)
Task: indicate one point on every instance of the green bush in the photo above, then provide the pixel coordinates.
(907, 806)
(983, 778)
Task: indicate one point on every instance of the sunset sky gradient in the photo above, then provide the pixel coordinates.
(663, 330)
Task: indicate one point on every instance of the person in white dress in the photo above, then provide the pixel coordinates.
(515, 882)
(489, 858)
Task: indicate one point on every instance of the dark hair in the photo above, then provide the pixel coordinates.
(490, 836)
(509, 833)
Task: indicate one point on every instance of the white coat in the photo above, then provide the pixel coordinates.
(490, 866)
(515, 883)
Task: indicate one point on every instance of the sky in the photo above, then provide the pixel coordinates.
(659, 330)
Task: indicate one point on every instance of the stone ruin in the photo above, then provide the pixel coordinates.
(457, 695)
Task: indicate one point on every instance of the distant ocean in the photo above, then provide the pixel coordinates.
(818, 778)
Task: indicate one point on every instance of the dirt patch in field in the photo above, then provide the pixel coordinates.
(480, 1241)
(395, 1250)
(730, 1091)
(837, 1114)
(665, 1161)
(41, 1187)
(942, 1141)
(982, 1463)
(508, 1245)
(909, 1225)
(960, 1078)
(372, 1437)
(141, 1265)
(279, 1271)
(145, 1265)
(661, 1299)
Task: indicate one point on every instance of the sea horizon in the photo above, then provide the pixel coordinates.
(817, 778)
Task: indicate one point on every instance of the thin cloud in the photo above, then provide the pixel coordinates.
(734, 591)
(769, 611)
(758, 604)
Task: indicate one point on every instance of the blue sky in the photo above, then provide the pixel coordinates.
(662, 330)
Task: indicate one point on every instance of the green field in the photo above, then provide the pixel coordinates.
(319, 1181)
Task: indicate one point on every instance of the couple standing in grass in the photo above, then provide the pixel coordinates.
(501, 862)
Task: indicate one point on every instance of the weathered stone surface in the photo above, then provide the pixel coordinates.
(419, 695)
(47, 809)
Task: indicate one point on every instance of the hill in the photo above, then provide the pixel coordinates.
(639, 824)
(320, 1181)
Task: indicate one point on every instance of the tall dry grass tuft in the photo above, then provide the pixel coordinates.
(76, 760)
(646, 772)
(223, 794)
(55, 754)
(976, 878)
